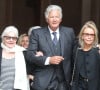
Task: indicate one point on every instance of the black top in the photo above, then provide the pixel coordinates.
(88, 66)
(83, 71)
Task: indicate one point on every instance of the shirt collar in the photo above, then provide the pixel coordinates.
(51, 31)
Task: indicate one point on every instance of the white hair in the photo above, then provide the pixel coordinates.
(53, 7)
(9, 29)
(32, 28)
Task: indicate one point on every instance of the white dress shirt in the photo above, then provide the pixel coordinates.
(52, 36)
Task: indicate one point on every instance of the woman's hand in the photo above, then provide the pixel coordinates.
(39, 53)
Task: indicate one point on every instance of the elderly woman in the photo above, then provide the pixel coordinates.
(86, 72)
(12, 62)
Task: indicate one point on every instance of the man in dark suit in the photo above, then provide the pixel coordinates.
(53, 67)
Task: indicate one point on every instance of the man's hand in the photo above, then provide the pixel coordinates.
(56, 59)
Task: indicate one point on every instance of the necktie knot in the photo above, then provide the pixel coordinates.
(55, 38)
(54, 33)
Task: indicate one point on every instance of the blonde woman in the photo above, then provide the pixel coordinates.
(86, 72)
(23, 40)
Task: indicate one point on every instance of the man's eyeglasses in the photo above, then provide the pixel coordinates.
(9, 38)
(88, 34)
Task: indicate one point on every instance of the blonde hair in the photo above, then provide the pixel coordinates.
(21, 38)
(92, 25)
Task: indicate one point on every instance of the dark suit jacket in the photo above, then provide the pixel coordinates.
(0, 42)
(92, 67)
(29, 66)
(40, 40)
(0, 58)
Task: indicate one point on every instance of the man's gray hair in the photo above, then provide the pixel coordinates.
(53, 7)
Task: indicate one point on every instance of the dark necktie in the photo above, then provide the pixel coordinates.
(55, 38)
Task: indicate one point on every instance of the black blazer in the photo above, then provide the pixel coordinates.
(0, 58)
(40, 40)
(92, 67)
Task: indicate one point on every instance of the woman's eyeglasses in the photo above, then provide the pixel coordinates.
(9, 38)
(88, 34)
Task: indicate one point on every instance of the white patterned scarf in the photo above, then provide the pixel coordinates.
(21, 80)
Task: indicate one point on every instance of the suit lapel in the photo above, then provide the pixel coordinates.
(61, 38)
(49, 40)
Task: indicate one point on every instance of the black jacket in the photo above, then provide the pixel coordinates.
(92, 67)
